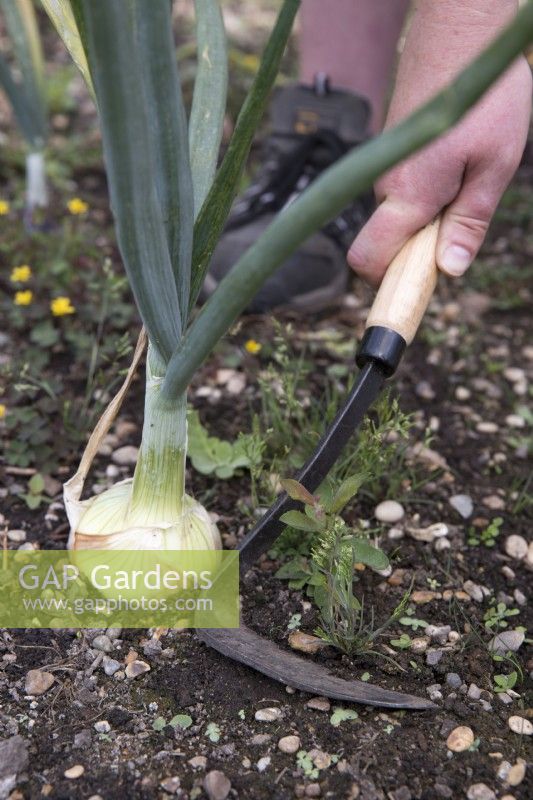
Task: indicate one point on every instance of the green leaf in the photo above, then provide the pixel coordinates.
(213, 732)
(159, 723)
(181, 721)
(342, 715)
(142, 120)
(402, 643)
(36, 484)
(21, 24)
(296, 491)
(209, 98)
(214, 212)
(299, 521)
(44, 334)
(365, 553)
(336, 188)
(62, 17)
(345, 492)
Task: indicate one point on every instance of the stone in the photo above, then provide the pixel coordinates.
(516, 546)
(507, 640)
(434, 692)
(515, 421)
(429, 534)
(442, 544)
(503, 770)
(433, 657)
(463, 504)
(453, 680)
(389, 511)
(529, 557)
(487, 427)
(260, 739)
(289, 744)
(198, 762)
(102, 643)
(102, 726)
(520, 725)
(263, 763)
(125, 456)
(268, 715)
(419, 644)
(16, 536)
(72, 773)
(217, 786)
(82, 739)
(439, 633)
(480, 791)
(504, 698)
(514, 374)
(474, 591)
(425, 596)
(319, 704)
(170, 785)
(313, 790)
(306, 642)
(136, 668)
(460, 739)
(494, 502)
(110, 665)
(462, 393)
(13, 756)
(474, 692)
(402, 793)
(38, 681)
(424, 390)
(517, 773)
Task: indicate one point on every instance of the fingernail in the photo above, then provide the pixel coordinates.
(455, 260)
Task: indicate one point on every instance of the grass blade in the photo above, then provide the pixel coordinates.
(209, 99)
(62, 17)
(214, 212)
(123, 93)
(334, 190)
(22, 28)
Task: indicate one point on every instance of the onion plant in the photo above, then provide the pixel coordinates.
(22, 79)
(170, 204)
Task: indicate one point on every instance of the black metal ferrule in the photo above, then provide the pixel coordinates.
(382, 345)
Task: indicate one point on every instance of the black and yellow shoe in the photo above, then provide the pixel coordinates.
(311, 128)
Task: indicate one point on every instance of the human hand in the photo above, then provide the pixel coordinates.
(466, 171)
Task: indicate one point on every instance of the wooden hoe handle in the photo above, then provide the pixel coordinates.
(408, 285)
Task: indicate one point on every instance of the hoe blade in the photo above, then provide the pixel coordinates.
(244, 645)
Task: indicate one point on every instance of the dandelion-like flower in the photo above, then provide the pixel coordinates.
(23, 298)
(3, 411)
(77, 206)
(60, 306)
(20, 274)
(253, 347)
(4, 208)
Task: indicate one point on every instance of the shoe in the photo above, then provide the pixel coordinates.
(311, 128)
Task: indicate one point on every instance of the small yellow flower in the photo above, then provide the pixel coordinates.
(253, 347)
(4, 208)
(60, 306)
(3, 410)
(77, 206)
(23, 298)
(20, 274)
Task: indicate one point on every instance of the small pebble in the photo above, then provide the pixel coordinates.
(474, 591)
(198, 762)
(260, 739)
(319, 704)
(170, 785)
(263, 763)
(436, 531)
(480, 791)
(463, 504)
(516, 546)
(474, 692)
(268, 715)
(419, 644)
(110, 665)
(102, 643)
(439, 633)
(453, 680)
(306, 642)
(136, 668)
(517, 773)
(16, 536)
(434, 692)
(312, 790)
(507, 640)
(125, 456)
(389, 511)
(460, 739)
(515, 421)
(487, 427)
(289, 744)
(433, 657)
(74, 772)
(217, 786)
(424, 390)
(102, 726)
(494, 502)
(520, 725)
(38, 681)
(514, 374)
(425, 596)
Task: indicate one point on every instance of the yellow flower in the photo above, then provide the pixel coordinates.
(23, 298)
(3, 410)
(252, 347)
(77, 206)
(4, 207)
(61, 306)
(20, 274)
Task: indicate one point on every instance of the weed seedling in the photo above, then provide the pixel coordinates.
(488, 536)
(496, 616)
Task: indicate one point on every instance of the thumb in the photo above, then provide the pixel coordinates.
(390, 226)
(464, 225)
